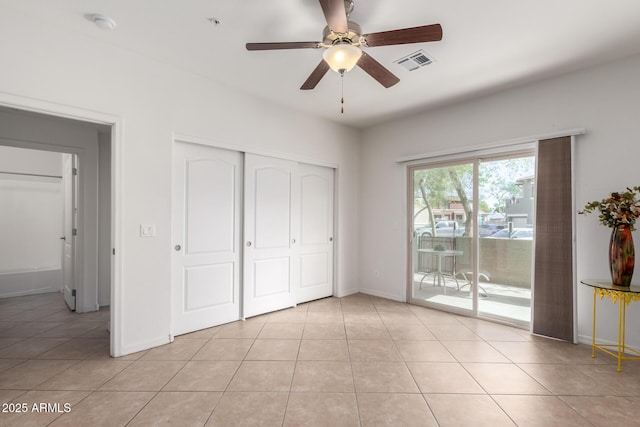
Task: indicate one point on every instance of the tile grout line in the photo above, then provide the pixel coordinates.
(353, 377)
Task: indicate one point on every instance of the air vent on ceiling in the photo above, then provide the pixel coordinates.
(415, 60)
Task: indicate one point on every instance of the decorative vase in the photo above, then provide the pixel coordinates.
(621, 255)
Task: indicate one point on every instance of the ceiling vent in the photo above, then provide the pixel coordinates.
(415, 60)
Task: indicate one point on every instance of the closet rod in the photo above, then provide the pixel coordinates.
(31, 174)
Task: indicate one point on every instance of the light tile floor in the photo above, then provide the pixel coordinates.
(354, 361)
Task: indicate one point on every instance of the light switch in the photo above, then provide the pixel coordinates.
(147, 230)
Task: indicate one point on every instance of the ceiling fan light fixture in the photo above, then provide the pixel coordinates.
(342, 39)
(342, 57)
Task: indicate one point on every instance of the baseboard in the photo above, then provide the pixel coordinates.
(586, 339)
(46, 290)
(386, 295)
(126, 350)
(31, 270)
(347, 293)
(33, 282)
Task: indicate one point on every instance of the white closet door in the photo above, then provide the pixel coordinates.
(207, 184)
(315, 248)
(270, 220)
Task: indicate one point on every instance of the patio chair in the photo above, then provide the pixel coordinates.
(466, 276)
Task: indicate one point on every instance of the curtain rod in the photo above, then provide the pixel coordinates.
(499, 144)
(31, 174)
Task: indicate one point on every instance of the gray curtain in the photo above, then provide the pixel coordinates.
(553, 288)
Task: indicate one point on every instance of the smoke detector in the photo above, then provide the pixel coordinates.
(103, 22)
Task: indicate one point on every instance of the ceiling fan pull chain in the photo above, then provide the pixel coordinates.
(342, 93)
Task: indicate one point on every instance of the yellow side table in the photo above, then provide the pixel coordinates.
(619, 295)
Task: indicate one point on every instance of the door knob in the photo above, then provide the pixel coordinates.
(248, 243)
(178, 247)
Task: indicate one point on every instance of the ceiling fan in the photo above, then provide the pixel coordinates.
(342, 40)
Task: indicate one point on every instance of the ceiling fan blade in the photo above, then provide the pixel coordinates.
(336, 15)
(283, 45)
(316, 76)
(376, 70)
(425, 33)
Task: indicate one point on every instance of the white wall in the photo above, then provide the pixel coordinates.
(154, 102)
(603, 99)
(30, 221)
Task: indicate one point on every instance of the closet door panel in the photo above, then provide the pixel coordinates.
(207, 184)
(315, 251)
(270, 206)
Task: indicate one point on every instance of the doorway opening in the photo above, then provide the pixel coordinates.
(68, 243)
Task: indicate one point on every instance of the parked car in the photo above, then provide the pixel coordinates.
(524, 234)
(485, 230)
(443, 229)
(517, 233)
(502, 234)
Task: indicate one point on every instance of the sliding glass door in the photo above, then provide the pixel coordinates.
(443, 223)
(505, 238)
(472, 236)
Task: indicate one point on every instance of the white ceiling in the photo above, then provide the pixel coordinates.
(487, 45)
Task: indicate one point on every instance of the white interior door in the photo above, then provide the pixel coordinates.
(270, 204)
(69, 225)
(207, 185)
(315, 249)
